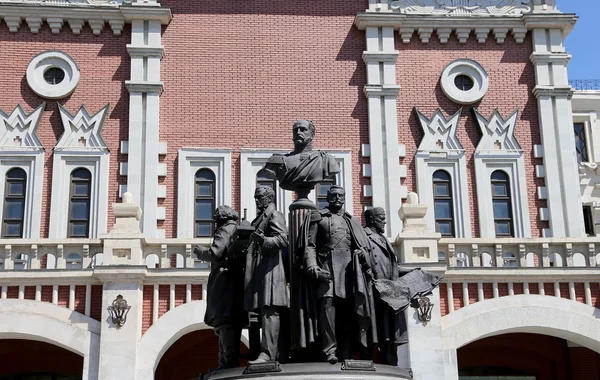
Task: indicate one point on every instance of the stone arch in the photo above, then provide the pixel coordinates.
(166, 331)
(45, 322)
(573, 321)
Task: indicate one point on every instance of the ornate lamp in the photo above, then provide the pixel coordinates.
(424, 306)
(118, 311)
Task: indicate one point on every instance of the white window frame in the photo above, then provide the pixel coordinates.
(455, 164)
(251, 162)
(343, 178)
(190, 161)
(65, 161)
(592, 146)
(32, 162)
(512, 163)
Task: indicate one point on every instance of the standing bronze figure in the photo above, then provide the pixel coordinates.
(335, 256)
(265, 282)
(391, 325)
(224, 304)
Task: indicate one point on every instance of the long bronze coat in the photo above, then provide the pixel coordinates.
(224, 302)
(391, 326)
(265, 283)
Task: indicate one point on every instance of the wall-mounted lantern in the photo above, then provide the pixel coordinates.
(424, 306)
(118, 311)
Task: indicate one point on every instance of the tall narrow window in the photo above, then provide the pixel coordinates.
(442, 199)
(79, 210)
(580, 145)
(503, 222)
(588, 220)
(322, 189)
(205, 202)
(14, 203)
(262, 179)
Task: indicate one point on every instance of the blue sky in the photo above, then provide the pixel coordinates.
(584, 41)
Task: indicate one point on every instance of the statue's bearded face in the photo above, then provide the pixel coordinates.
(303, 134)
(336, 199)
(262, 200)
(378, 222)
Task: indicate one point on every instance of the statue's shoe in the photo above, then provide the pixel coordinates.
(262, 358)
(332, 359)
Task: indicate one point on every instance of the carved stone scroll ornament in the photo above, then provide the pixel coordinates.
(455, 8)
(67, 3)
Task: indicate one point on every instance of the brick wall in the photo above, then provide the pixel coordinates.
(27, 356)
(104, 65)
(511, 82)
(254, 68)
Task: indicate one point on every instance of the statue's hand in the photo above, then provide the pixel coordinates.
(360, 254)
(319, 274)
(199, 251)
(258, 237)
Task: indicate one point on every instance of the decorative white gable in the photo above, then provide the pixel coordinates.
(498, 149)
(441, 150)
(82, 130)
(80, 146)
(440, 133)
(18, 131)
(67, 3)
(497, 133)
(513, 8)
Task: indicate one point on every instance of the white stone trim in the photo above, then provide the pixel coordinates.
(49, 59)
(44, 322)
(251, 162)
(82, 125)
(470, 69)
(343, 179)
(190, 161)
(573, 321)
(514, 167)
(63, 165)
(592, 135)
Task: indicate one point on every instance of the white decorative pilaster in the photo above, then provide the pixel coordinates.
(556, 123)
(144, 146)
(381, 91)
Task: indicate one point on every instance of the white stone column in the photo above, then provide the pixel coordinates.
(381, 91)
(118, 346)
(144, 147)
(556, 124)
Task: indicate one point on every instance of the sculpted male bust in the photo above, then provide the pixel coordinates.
(301, 169)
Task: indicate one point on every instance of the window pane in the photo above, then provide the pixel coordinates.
(14, 209)
(445, 228)
(205, 175)
(81, 188)
(79, 209)
(203, 229)
(78, 229)
(13, 229)
(499, 189)
(16, 188)
(502, 228)
(443, 209)
(324, 188)
(442, 189)
(501, 209)
(322, 203)
(499, 175)
(204, 189)
(204, 209)
(81, 174)
(441, 175)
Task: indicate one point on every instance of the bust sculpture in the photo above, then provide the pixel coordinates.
(301, 169)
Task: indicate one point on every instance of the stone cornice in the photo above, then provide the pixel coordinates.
(556, 91)
(96, 17)
(121, 273)
(153, 87)
(377, 56)
(544, 58)
(146, 51)
(371, 90)
(464, 26)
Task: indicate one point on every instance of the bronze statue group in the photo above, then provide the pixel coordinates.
(326, 291)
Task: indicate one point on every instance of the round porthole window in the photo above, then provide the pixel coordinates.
(464, 81)
(52, 74)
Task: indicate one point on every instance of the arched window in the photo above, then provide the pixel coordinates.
(322, 189)
(442, 199)
(262, 179)
(205, 203)
(14, 203)
(79, 210)
(503, 222)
